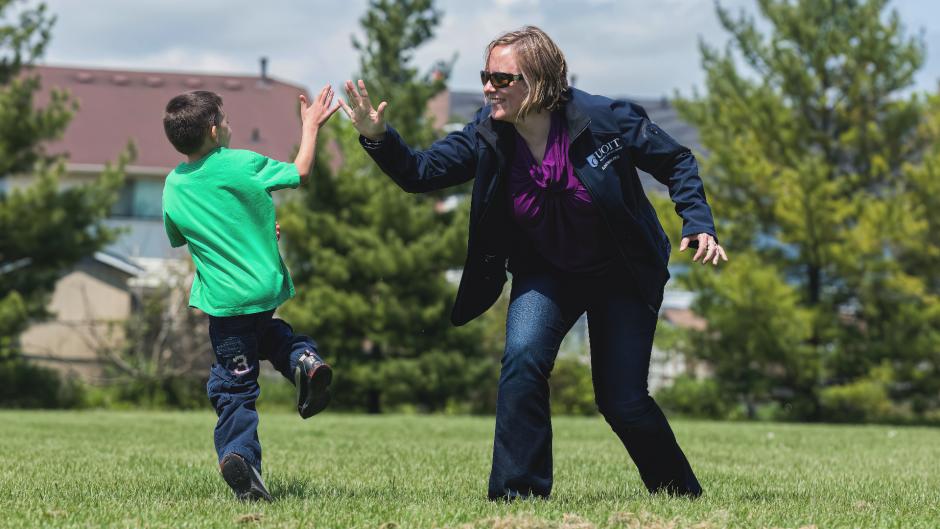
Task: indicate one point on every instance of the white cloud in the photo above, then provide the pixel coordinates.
(642, 48)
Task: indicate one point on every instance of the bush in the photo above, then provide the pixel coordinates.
(862, 400)
(695, 398)
(27, 385)
(572, 389)
(180, 393)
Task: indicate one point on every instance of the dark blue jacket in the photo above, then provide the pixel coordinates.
(609, 139)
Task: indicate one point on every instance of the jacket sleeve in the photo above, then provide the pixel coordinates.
(447, 162)
(671, 164)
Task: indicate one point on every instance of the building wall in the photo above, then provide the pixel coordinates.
(90, 304)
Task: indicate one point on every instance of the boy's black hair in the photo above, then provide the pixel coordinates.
(189, 117)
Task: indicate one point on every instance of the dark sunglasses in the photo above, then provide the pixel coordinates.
(499, 79)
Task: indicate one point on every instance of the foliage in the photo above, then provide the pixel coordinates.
(44, 229)
(572, 390)
(24, 384)
(693, 397)
(820, 177)
(369, 260)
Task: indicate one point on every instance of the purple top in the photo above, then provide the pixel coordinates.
(553, 208)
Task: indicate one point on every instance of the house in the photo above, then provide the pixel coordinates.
(115, 107)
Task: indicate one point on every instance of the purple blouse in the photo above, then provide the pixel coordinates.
(553, 208)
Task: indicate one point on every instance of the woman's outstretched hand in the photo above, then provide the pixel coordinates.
(370, 122)
(707, 245)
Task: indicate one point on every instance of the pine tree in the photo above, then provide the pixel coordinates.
(369, 260)
(813, 144)
(43, 229)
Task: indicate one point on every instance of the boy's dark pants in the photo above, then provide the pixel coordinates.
(239, 343)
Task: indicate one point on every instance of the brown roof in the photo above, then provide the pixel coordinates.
(117, 105)
(685, 319)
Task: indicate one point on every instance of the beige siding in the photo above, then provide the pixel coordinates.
(90, 305)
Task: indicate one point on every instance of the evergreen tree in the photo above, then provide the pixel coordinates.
(43, 229)
(814, 171)
(369, 260)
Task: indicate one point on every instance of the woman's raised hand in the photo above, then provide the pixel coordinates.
(370, 122)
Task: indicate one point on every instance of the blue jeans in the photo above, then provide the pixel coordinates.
(239, 343)
(542, 309)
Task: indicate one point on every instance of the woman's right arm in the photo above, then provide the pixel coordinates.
(447, 162)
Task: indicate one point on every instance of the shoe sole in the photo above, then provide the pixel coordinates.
(313, 394)
(238, 474)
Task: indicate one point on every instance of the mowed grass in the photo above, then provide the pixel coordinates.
(157, 469)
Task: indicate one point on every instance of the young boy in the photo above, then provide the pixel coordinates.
(219, 203)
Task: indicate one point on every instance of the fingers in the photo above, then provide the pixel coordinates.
(381, 110)
(303, 102)
(719, 254)
(352, 94)
(698, 252)
(709, 253)
(326, 95)
(333, 110)
(708, 249)
(362, 89)
(346, 108)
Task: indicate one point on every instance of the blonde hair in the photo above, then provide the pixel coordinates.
(542, 65)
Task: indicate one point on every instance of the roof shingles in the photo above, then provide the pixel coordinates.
(117, 106)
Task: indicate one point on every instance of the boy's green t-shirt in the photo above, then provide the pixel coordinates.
(221, 206)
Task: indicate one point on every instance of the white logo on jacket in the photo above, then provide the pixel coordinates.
(603, 155)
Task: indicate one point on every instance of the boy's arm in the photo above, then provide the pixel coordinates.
(313, 116)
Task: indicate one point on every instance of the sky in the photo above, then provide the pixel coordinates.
(635, 48)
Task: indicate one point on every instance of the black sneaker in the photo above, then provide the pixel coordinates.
(243, 478)
(312, 376)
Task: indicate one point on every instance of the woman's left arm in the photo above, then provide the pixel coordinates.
(674, 166)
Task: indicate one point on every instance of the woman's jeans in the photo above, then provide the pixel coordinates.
(543, 307)
(239, 343)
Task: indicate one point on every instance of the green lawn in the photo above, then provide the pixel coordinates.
(143, 469)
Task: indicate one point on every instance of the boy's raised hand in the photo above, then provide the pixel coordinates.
(318, 112)
(370, 122)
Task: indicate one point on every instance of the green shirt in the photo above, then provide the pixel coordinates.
(222, 207)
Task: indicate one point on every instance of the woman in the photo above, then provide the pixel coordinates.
(556, 197)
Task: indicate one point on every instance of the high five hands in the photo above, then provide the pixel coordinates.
(316, 113)
(707, 244)
(369, 121)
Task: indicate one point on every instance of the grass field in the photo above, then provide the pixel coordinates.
(149, 469)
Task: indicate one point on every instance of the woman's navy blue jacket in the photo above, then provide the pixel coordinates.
(608, 139)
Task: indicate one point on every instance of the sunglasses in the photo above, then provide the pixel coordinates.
(499, 79)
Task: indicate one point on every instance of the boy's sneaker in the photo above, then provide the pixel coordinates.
(243, 478)
(312, 376)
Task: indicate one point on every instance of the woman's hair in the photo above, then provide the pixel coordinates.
(542, 65)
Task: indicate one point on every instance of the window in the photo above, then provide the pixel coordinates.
(140, 198)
